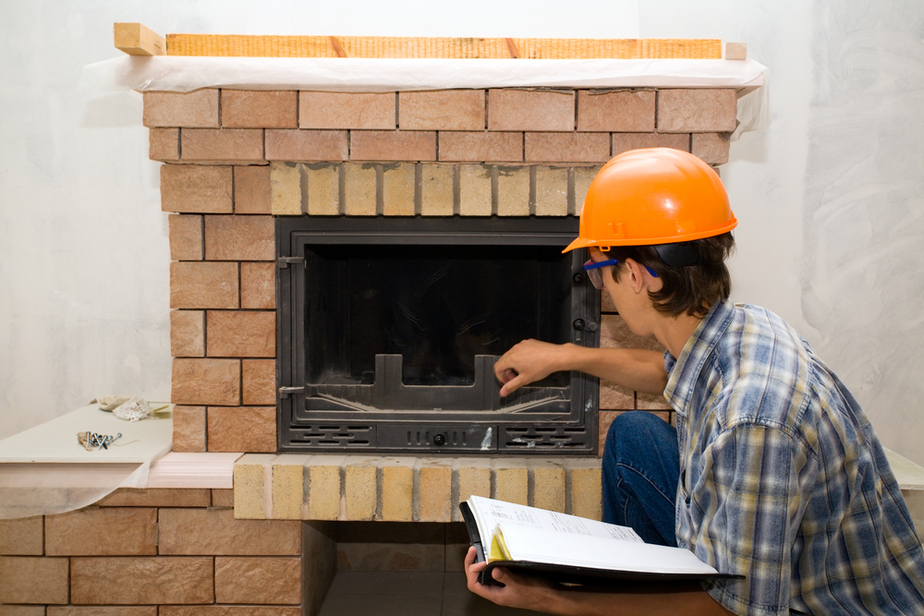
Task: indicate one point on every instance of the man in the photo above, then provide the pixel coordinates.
(773, 472)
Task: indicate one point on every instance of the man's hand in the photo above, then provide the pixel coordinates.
(527, 362)
(520, 591)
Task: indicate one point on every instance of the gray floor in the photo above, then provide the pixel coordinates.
(400, 593)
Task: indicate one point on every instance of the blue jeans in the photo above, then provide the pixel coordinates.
(641, 468)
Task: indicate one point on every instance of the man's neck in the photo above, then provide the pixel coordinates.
(674, 332)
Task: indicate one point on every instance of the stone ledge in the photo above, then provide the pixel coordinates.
(406, 488)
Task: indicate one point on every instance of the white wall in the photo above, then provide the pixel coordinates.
(831, 232)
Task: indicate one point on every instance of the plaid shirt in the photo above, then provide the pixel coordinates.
(782, 478)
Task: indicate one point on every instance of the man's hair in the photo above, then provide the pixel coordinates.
(688, 289)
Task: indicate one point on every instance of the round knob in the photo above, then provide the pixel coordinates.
(578, 278)
(578, 324)
(439, 439)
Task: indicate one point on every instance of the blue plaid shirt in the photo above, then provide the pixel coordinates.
(782, 478)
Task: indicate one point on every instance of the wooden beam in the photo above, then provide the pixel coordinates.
(137, 40)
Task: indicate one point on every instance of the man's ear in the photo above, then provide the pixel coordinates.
(636, 274)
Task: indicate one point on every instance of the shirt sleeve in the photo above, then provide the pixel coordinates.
(746, 505)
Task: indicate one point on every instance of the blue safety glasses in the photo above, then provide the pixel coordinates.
(596, 276)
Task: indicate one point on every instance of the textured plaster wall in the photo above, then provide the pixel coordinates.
(829, 195)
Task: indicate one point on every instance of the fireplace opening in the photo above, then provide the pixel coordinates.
(390, 328)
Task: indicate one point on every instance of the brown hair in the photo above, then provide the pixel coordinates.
(686, 289)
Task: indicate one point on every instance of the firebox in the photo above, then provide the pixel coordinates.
(389, 329)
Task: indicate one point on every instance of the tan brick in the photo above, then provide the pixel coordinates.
(250, 485)
(258, 381)
(324, 487)
(239, 238)
(101, 610)
(359, 192)
(106, 531)
(586, 493)
(614, 333)
(442, 110)
(141, 581)
(711, 147)
(258, 286)
(360, 488)
(475, 190)
(252, 191)
(259, 109)
(697, 111)
(627, 111)
(435, 491)
(189, 429)
(258, 580)
(288, 488)
(323, 195)
(651, 402)
(567, 147)
(615, 397)
(397, 489)
(623, 142)
(513, 191)
(30, 579)
(185, 237)
(194, 109)
(196, 189)
(436, 190)
(29, 610)
(248, 429)
(203, 285)
(206, 381)
(157, 497)
(306, 145)
(530, 110)
(511, 481)
(164, 144)
(187, 333)
(222, 145)
(223, 498)
(286, 189)
(204, 532)
(358, 110)
(21, 537)
(481, 146)
(583, 176)
(399, 184)
(551, 191)
(230, 610)
(548, 479)
(473, 477)
(411, 146)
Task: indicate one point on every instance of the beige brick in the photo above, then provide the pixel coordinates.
(567, 147)
(105, 531)
(475, 190)
(711, 147)
(306, 145)
(252, 190)
(442, 110)
(528, 110)
(736, 51)
(250, 485)
(481, 146)
(511, 481)
(604, 421)
(187, 333)
(548, 481)
(411, 146)
(513, 191)
(239, 238)
(100, 610)
(625, 111)
(194, 109)
(231, 610)
(141, 581)
(697, 111)
(258, 286)
(157, 497)
(258, 381)
(435, 491)
(358, 110)
(203, 285)
(651, 402)
(397, 489)
(360, 488)
(164, 144)
(399, 184)
(615, 397)
(196, 189)
(324, 487)
(30, 579)
(222, 145)
(623, 142)
(247, 429)
(586, 493)
(185, 237)
(189, 429)
(359, 192)
(288, 488)
(551, 191)
(28, 610)
(583, 176)
(223, 498)
(259, 109)
(436, 190)
(204, 532)
(258, 580)
(21, 537)
(286, 189)
(323, 195)
(206, 381)
(474, 478)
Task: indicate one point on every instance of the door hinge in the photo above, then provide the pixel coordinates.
(285, 392)
(284, 262)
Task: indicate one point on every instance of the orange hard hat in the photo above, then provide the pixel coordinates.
(653, 196)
